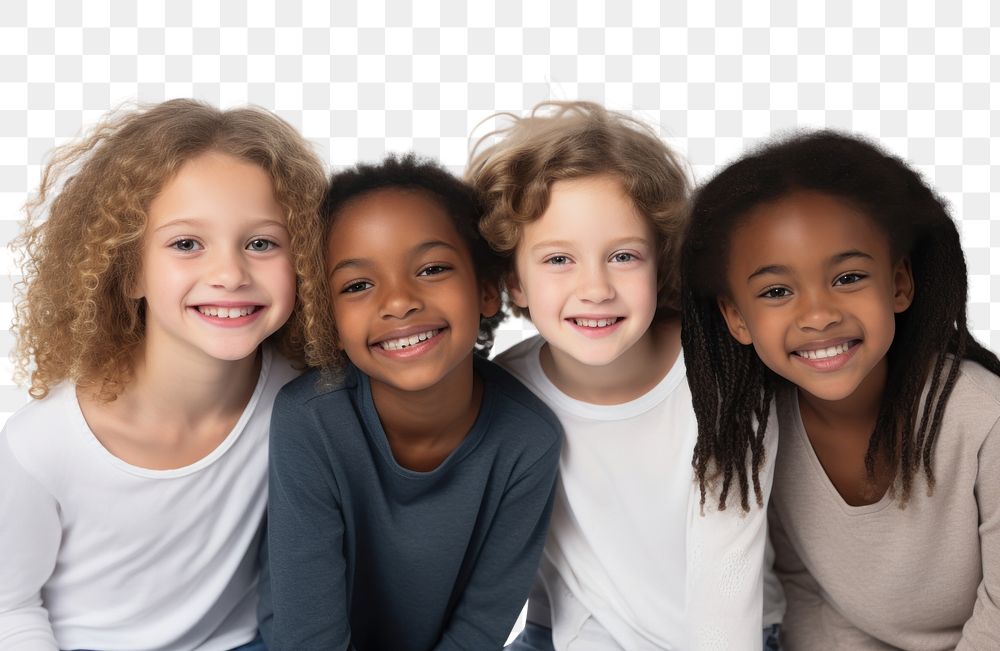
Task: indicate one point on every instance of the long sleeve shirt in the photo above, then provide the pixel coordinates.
(364, 553)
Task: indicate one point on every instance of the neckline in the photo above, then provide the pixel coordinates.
(817, 466)
(469, 443)
(76, 414)
(629, 409)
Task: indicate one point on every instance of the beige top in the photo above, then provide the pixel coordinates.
(880, 577)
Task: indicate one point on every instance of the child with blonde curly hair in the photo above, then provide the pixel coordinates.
(588, 207)
(158, 319)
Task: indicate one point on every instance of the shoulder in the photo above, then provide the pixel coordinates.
(42, 434)
(276, 369)
(522, 357)
(971, 423)
(518, 409)
(314, 408)
(38, 421)
(979, 386)
(975, 399)
(317, 387)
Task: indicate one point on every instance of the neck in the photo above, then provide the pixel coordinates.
(858, 410)
(187, 389)
(442, 411)
(631, 375)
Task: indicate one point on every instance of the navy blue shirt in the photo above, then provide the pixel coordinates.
(363, 553)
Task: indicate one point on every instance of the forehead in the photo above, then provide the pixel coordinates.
(578, 205)
(390, 217)
(214, 183)
(806, 226)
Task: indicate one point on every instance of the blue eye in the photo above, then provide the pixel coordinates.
(623, 256)
(185, 244)
(356, 286)
(558, 260)
(260, 245)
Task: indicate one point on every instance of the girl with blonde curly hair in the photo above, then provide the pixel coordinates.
(159, 314)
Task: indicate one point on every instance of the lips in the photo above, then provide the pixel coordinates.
(595, 323)
(412, 338)
(224, 312)
(827, 352)
(401, 343)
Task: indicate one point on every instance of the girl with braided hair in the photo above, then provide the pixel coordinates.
(838, 315)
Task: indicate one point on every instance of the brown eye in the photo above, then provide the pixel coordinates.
(776, 292)
(849, 279)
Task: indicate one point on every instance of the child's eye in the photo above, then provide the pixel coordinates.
(434, 269)
(849, 278)
(185, 244)
(356, 286)
(775, 292)
(557, 260)
(623, 256)
(260, 245)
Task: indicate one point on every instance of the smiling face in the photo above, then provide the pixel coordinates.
(813, 286)
(216, 273)
(405, 296)
(586, 271)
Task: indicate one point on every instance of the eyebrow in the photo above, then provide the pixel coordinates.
(565, 244)
(779, 269)
(199, 221)
(419, 249)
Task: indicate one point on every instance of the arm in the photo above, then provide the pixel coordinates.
(804, 610)
(982, 630)
(303, 578)
(30, 533)
(725, 564)
(498, 587)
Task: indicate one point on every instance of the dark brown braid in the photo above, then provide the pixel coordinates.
(731, 387)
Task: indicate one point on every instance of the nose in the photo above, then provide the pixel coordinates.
(594, 285)
(229, 270)
(399, 300)
(818, 311)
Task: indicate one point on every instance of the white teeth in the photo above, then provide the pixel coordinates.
(823, 353)
(226, 312)
(403, 342)
(595, 323)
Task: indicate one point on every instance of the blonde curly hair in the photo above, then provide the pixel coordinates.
(571, 140)
(81, 246)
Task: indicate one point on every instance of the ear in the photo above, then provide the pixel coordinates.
(734, 321)
(902, 280)
(515, 291)
(489, 299)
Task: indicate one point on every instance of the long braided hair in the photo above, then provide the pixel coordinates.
(732, 389)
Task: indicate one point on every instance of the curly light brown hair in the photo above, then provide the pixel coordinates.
(81, 246)
(571, 140)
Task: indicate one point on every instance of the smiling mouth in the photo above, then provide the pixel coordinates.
(830, 351)
(405, 342)
(227, 312)
(595, 323)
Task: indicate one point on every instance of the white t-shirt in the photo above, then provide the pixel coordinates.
(96, 553)
(628, 549)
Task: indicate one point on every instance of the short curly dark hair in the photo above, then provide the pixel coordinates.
(410, 172)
